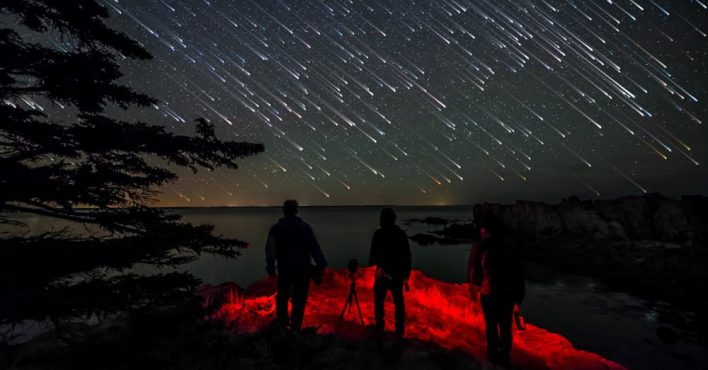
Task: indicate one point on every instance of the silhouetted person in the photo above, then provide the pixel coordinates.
(391, 255)
(495, 272)
(292, 246)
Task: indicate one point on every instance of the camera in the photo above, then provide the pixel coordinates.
(353, 266)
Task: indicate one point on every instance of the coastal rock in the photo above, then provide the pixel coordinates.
(579, 221)
(634, 215)
(695, 207)
(648, 217)
(427, 239)
(464, 232)
(669, 222)
(617, 231)
(428, 220)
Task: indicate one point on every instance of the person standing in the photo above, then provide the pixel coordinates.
(291, 247)
(495, 273)
(391, 254)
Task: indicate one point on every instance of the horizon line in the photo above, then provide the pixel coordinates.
(674, 197)
(322, 205)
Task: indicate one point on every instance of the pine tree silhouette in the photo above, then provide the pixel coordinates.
(90, 170)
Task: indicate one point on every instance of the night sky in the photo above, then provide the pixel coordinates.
(429, 102)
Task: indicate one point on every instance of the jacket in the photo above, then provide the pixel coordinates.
(505, 269)
(391, 252)
(291, 247)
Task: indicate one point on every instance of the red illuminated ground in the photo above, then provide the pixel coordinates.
(436, 311)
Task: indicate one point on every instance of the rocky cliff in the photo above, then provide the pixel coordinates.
(649, 217)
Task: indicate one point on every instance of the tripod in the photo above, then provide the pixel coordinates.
(352, 297)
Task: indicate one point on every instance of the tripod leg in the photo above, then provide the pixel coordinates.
(347, 304)
(356, 300)
(352, 294)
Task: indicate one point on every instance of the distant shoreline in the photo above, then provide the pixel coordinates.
(323, 206)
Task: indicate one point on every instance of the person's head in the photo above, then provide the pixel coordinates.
(490, 225)
(290, 207)
(388, 217)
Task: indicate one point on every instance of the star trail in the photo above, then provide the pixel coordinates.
(430, 102)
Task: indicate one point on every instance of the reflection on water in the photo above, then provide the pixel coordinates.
(618, 326)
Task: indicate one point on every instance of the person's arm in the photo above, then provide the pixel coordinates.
(315, 250)
(270, 253)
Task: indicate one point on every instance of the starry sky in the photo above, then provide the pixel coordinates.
(429, 102)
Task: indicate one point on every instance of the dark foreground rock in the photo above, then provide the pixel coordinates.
(207, 346)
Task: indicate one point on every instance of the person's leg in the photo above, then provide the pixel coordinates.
(301, 285)
(380, 290)
(505, 312)
(490, 324)
(397, 293)
(281, 299)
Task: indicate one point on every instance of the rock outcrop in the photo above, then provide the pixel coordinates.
(649, 217)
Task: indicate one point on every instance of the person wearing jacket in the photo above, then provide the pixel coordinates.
(391, 254)
(495, 273)
(290, 248)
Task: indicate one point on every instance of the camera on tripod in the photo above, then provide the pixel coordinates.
(352, 298)
(353, 266)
